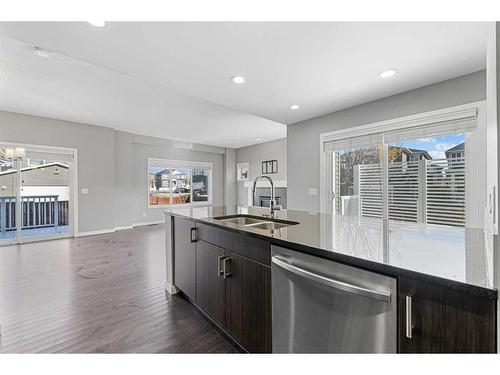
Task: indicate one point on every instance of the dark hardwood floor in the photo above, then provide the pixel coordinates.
(102, 293)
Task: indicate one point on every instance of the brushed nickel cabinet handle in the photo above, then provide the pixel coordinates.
(409, 324)
(224, 266)
(193, 235)
(219, 267)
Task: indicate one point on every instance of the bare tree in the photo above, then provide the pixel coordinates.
(348, 160)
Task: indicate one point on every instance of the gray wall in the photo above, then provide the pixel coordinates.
(230, 177)
(112, 165)
(95, 160)
(274, 150)
(124, 209)
(303, 138)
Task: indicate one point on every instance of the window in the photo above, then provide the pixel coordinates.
(35, 162)
(388, 205)
(174, 182)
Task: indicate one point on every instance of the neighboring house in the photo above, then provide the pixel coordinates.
(35, 178)
(160, 181)
(403, 154)
(415, 154)
(456, 153)
(5, 164)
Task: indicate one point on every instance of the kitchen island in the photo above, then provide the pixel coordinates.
(445, 300)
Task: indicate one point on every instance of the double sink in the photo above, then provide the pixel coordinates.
(257, 222)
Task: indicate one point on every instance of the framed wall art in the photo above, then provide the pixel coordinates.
(242, 171)
(269, 166)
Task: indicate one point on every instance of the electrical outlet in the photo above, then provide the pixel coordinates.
(143, 214)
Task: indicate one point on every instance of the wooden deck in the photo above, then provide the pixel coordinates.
(35, 232)
(100, 293)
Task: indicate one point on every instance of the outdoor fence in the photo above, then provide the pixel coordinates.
(424, 191)
(36, 212)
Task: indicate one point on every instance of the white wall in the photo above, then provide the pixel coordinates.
(303, 155)
(274, 150)
(112, 165)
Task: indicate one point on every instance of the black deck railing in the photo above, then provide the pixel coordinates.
(37, 211)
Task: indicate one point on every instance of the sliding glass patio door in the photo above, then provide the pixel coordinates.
(36, 199)
(8, 193)
(410, 188)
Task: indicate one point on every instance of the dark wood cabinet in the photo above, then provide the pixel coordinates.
(248, 303)
(210, 285)
(240, 302)
(184, 256)
(250, 247)
(443, 319)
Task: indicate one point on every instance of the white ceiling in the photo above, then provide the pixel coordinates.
(173, 79)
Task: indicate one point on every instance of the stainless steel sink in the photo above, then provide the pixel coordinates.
(269, 225)
(256, 222)
(241, 220)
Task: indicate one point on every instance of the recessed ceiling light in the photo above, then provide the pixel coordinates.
(258, 139)
(387, 73)
(41, 52)
(294, 107)
(97, 23)
(238, 79)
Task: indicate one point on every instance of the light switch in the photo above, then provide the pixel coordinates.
(313, 191)
(85, 191)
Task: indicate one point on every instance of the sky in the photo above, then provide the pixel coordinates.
(435, 146)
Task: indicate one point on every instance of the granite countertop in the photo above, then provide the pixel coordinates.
(451, 254)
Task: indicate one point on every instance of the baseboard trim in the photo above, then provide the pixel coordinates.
(171, 289)
(94, 232)
(148, 223)
(124, 227)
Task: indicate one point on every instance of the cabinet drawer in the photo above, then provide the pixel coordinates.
(250, 247)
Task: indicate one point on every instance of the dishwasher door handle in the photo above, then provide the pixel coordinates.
(384, 296)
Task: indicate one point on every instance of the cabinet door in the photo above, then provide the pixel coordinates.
(248, 303)
(209, 281)
(184, 256)
(444, 320)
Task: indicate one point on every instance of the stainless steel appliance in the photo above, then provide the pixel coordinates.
(320, 306)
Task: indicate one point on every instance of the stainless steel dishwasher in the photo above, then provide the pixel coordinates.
(320, 306)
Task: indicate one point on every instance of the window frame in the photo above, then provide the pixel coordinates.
(170, 164)
(401, 123)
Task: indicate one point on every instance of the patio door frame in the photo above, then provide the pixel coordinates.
(327, 193)
(73, 193)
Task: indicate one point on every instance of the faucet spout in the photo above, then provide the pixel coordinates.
(272, 204)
